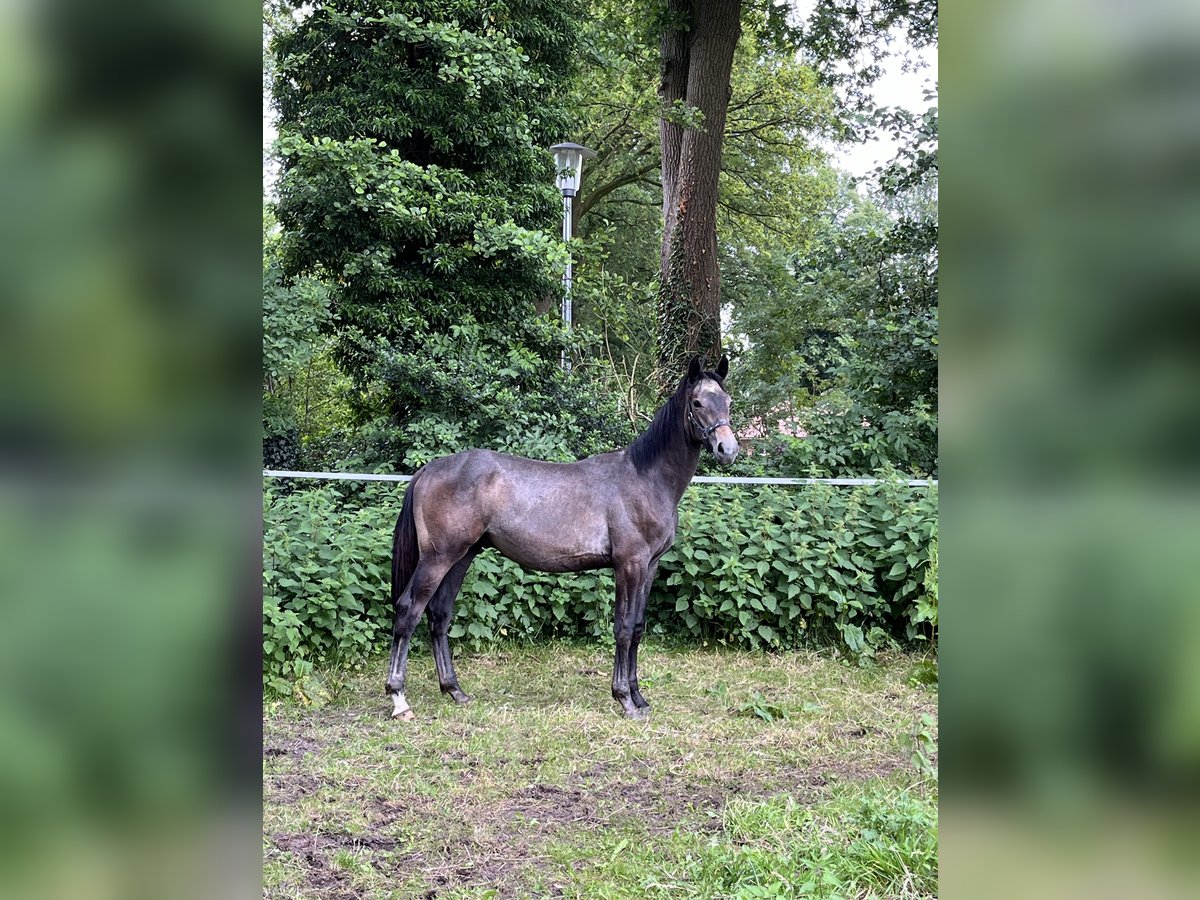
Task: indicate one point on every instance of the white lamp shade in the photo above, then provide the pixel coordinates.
(568, 165)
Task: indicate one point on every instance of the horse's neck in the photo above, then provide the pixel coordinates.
(664, 453)
(676, 466)
(682, 473)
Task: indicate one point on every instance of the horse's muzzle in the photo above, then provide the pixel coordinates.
(724, 446)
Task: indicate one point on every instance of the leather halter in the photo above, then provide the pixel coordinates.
(706, 432)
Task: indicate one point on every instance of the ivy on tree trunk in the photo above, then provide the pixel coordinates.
(698, 41)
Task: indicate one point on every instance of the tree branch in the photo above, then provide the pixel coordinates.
(604, 190)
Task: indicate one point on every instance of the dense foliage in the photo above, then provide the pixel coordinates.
(842, 335)
(418, 242)
(304, 405)
(756, 568)
(417, 187)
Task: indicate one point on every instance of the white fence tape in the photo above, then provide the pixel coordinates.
(699, 479)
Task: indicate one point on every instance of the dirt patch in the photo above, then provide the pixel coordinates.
(550, 805)
(290, 739)
(323, 878)
(290, 787)
(489, 846)
(658, 801)
(320, 878)
(840, 771)
(498, 871)
(309, 844)
(662, 802)
(296, 746)
(858, 731)
(384, 812)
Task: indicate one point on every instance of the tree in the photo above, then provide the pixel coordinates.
(789, 307)
(772, 182)
(848, 343)
(416, 184)
(696, 50)
(697, 47)
(845, 40)
(304, 407)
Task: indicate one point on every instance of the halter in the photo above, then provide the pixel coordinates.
(705, 432)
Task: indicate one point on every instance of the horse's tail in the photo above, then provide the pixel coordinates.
(405, 551)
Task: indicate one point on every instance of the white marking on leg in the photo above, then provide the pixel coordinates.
(401, 705)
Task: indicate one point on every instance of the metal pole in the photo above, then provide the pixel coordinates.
(568, 274)
(698, 479)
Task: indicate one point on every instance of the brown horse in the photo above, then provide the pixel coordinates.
(617, 510)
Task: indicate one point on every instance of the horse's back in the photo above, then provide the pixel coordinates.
(549, 516)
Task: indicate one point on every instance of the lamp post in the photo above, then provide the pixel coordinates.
(568, 164)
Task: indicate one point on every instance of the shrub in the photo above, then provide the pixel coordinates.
(760, 568)
(326, 572)
(775, 567)
(927, 606)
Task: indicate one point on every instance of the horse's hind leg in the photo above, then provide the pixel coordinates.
(410, 607)
(440, 612)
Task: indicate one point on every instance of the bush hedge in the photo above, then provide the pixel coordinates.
(755, 567)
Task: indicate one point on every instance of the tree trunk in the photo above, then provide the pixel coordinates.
(697, 59)
(672, 89)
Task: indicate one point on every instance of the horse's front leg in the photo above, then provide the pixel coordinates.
(630, 576)
(639, 627)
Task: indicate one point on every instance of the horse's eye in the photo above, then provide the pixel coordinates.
(696, 403)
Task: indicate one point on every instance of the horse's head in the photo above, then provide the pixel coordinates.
(708, 409)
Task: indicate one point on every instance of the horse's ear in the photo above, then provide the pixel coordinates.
(723, 367)
(695, 367)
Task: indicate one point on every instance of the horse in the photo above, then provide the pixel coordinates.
(616, 510)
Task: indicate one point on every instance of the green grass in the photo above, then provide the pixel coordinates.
(539, 788)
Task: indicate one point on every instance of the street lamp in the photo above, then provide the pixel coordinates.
(568, 165)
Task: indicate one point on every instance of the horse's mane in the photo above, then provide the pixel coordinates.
(661, 433)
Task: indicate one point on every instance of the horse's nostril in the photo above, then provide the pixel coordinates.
(720, 448)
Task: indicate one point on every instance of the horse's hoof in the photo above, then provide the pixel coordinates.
(637, 712)
(401, 709)
(459, 697)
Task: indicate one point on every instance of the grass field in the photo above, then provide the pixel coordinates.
(755, 776)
